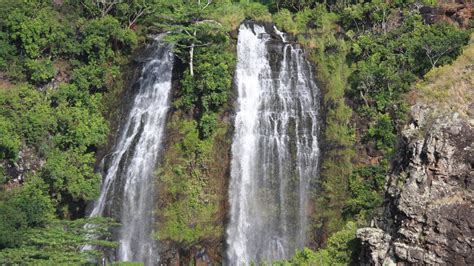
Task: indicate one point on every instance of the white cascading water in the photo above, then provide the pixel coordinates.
(127, 191)
(275, 148)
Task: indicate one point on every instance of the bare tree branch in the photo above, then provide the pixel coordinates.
(106, 6)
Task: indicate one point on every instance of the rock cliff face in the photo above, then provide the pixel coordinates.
(428, 214)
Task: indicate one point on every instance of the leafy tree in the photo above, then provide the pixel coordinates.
(207, 125)
(70, 175)
(436, 45)
(61, 126)
(284, 20)
(94, 77)
(128, 12)
(383, 133)
(342, 245)
(297, 5)
(365, 16)
(22, 208)
(385, 66)
(205, 86)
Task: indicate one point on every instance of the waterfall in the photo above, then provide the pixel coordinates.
(127, 191)
(275, 148)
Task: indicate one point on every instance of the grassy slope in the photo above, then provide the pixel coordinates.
(449, 87)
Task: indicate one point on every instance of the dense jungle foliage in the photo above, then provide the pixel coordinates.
(61, 72)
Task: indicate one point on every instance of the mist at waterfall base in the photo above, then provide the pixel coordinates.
(127, 191)
(275, 148)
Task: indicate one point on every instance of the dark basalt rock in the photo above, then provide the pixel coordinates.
(429, 209)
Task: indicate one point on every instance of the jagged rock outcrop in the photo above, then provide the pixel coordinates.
(428, 214)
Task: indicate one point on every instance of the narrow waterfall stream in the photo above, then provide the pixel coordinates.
(127, 190)
(275, 148)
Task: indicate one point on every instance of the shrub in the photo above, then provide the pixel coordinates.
(80, 127)
(7, 51)
(37, 33)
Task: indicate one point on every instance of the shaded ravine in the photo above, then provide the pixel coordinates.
(275, 148)
(127, 192)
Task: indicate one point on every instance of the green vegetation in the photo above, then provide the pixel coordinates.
(366, 187)
(206, 83)
(30, 233)
(59, 63)
(385, 66)
(63, 61)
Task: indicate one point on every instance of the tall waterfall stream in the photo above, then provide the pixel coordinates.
(127, 191)
(275, 148)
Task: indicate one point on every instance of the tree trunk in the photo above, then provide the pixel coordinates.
(191, 54)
